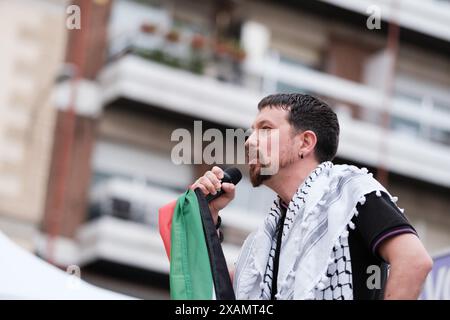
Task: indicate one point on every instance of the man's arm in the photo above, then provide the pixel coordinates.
(410, 265)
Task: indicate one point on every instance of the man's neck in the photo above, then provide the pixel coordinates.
(286, 182)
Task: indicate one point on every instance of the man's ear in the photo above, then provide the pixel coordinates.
(308, 142)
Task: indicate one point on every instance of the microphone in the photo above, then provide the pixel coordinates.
(231, 175)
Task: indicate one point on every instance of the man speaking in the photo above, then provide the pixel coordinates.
(333, 232)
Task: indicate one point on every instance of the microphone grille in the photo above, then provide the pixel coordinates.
(234, 174)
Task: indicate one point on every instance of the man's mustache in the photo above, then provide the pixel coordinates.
(253, 156)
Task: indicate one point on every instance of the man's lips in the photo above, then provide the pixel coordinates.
(254, 156)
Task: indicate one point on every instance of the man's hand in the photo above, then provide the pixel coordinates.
(410, 265)
(210, 182)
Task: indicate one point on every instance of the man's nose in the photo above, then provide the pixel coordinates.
(251, 141)
(251, 146)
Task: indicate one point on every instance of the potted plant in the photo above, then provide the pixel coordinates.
(197, 59)
(148, 28)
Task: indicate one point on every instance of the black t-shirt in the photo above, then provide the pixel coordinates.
(276, 258)
(378, 220)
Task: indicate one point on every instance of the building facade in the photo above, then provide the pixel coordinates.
(147, 68)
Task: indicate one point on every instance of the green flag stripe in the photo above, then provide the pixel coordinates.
(190, 270)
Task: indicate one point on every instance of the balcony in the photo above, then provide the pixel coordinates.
(150, 83)
(427, 17)
(156, 69)
(142, 68)
(119, 241)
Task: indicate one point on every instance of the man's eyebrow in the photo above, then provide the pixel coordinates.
(265, 121)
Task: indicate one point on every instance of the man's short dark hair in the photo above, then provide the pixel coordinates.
(309, 113)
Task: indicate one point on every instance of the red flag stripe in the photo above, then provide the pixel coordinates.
(165, 224)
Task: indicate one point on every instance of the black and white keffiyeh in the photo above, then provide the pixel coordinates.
(314, 257)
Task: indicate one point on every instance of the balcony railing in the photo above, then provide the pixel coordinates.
(420, 120)
(204, 98)
(364, 96)
(157, 40)
(428, 17)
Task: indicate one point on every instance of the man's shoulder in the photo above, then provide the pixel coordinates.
(348, 168)
(357, 180)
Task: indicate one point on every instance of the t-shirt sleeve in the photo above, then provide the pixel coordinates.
(380, 219)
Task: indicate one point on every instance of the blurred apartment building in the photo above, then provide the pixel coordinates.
(84, 170)
(32, 49)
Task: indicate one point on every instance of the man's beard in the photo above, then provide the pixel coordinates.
(255, 165)
(256, 177)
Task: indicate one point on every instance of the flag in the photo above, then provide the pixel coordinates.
(198, 268)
